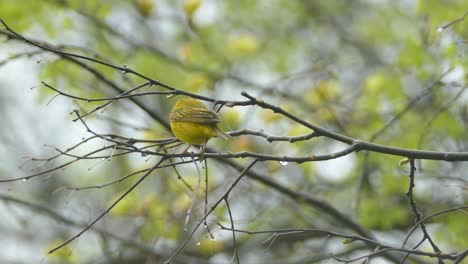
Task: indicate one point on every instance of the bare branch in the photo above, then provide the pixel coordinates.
(416, 212)
(109, 208)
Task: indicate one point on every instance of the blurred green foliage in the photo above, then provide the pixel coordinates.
(349, 66)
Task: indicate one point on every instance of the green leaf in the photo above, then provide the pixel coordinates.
(412, 54)
(13, 13)
(382, 213)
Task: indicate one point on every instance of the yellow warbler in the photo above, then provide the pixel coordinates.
(194, 123)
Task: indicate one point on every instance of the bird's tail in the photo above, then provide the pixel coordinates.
(222, 134)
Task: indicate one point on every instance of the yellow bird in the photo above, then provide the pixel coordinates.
(194, 123)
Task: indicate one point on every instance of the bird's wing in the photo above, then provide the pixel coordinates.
(199, 115)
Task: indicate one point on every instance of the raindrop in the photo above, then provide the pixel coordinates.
(283, 163)
(440, 29)
(24, 180)
(198, 243)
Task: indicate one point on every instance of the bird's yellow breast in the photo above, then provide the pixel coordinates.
(193, 133)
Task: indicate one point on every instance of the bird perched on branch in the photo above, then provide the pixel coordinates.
(194, 123)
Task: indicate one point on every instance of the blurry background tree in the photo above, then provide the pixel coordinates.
(388, 72)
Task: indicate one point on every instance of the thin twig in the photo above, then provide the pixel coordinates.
(108, 208)
(236, 249)
(417, 214)
(213, 207)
